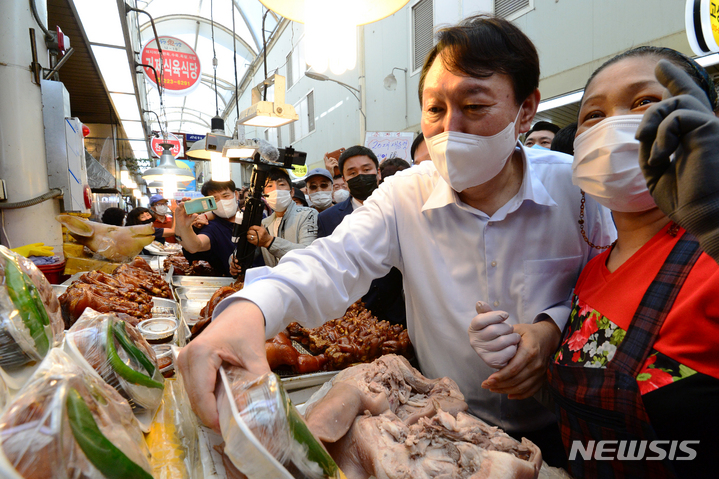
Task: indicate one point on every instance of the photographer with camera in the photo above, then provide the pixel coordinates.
(290, 226)
(216, 236)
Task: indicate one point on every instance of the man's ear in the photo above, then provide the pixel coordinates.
(528, 110)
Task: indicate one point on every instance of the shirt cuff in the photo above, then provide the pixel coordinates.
(559, 314)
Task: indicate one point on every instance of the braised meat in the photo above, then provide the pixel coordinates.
(206, 312)
(386, 420)
(184, 268)
(127, 292)
(281, 354)
(104, 299)
(356, 337)
(151, 282)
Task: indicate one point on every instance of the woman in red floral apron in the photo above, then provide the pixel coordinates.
(636, 377)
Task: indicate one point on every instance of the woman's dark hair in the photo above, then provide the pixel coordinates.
(482, 45)
(132, 216)
(564, 139)
(692, 68)
(113, 216)
(356, 150)
(212, 186)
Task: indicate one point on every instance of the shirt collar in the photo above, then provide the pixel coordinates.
(532, 189)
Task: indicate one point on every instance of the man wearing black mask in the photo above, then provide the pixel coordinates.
(360, 169)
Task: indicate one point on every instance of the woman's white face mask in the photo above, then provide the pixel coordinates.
(606, 165)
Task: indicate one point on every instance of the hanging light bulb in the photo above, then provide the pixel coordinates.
(220, 166)
(169, 186)
(331, 36)
(330, 33)
(124, 174)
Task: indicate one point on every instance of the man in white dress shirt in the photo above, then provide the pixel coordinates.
(485, 221)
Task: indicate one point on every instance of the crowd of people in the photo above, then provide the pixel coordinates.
(565, 278)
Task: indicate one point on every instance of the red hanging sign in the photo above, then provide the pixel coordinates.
(181, 72)
(178, 146)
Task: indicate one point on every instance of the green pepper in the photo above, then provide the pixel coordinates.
(132, 350)
(17, 287)
(122, 369)
(302, 434)
(103, 454)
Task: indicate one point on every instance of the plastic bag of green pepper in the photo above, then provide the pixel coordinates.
(30, 320)
(265, 436)
(122, 357)
(67, 423)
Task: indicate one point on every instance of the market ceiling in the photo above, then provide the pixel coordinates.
(97, 76)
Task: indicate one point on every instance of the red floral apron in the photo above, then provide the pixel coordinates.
(596, 404)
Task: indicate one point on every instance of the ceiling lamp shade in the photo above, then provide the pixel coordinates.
(167, 167)
(238, 149)
(213, 141)
(269, 114)
(331, 39)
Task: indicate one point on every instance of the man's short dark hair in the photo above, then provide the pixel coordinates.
(415, 144)
(482, 45)
(212, 186)
(564, 139)
(357, 150)
(279, 174)
(543, 126)
(390, 166)
(113, 216)
(337, 177)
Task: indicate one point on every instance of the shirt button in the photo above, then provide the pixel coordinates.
(494, 264)
(496, 303)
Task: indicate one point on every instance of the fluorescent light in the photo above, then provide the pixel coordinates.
(563, 100)
(126, 106)
(136, 193)
(101, 21)
(115, 68)
(133, 129)
(139, 148)
(708, 60)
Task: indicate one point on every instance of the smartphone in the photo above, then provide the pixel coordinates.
(200, 205)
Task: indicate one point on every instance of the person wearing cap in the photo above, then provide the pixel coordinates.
(161, 213)
(289, 227)
(299, 197)
(319, 187)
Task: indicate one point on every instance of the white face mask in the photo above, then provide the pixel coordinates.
(279, 200)
(606, 165)
(162, 210)
(340, 195)
(465, 160)
(321, 199)
(226, 208)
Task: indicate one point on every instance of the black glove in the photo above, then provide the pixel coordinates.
(687, 188)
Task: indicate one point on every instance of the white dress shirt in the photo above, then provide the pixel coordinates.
(524, 259)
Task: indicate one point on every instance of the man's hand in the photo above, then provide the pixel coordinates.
(330, 163)
(200, 221)
(259, 236)
(526, 372)
(493, 340)
(687, 188)
(182, 219)
(235, 268)
(236, 336)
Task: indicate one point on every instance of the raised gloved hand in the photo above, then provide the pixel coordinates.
(687, 188)
(34, 249)
(494, 340)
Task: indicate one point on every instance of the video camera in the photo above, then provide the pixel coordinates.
(264, 157)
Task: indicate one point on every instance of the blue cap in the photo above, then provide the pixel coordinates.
(320, 172)
(155, 199)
